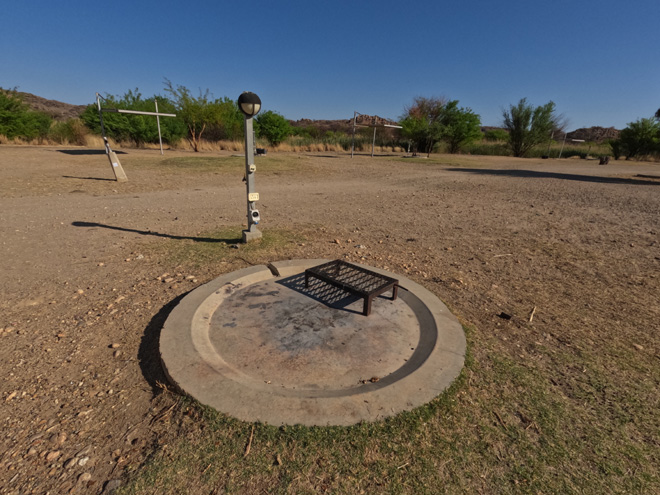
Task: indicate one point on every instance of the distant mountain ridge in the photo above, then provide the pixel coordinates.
(55, 109)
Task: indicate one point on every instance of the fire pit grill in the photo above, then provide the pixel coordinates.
(355, 280)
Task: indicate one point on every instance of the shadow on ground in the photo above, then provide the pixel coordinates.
(88, 178)
(533, 174)
(322, 292)
(149, 351)
(155, 234)
(89, 152)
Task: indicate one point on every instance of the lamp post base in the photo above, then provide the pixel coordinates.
(252, 234)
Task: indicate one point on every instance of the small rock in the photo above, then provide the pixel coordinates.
(115, 345)
(61, 438)
(116, 354)
(83, 460)
(101, 264)
(84, 477)
(190, 277)
(111, 485)
(168, 280)
(51, 456)
(139, 257)
(70, 463)
(80, 291)
(337, 241)
(361, 246)
(638, 347)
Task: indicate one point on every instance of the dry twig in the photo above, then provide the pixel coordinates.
(531, 316)
(249, 444)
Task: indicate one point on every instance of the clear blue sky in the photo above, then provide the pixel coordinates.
(598, 60)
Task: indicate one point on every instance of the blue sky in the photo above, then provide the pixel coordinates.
(599, 61)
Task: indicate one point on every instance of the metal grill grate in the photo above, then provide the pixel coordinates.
(355, 280)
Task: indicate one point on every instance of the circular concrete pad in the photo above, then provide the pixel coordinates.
(260, 346)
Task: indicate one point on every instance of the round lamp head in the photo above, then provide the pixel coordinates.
(249, 103)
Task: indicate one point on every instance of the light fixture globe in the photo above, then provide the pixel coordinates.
(249, 103)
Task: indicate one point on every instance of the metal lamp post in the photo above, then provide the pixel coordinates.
(250, 104)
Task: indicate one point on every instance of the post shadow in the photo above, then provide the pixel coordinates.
(156, 234)
(87, 178)
(88, 152)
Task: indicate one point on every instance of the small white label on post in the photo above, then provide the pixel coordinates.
(253, 197)
(115, 164)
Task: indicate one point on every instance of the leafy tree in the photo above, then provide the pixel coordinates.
(421, 122)
(273, 127)
(640, 138)
(17, 120)
(429, 120)
(529, 126)
(198, 113)
(228, 123)
(461, 127)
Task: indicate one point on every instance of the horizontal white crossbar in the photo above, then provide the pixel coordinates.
(135, 112)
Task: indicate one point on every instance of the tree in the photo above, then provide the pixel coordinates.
(461, 127)
(18, 121)
(640, 138)
(421, 122)
(429, 120)
(529, 126)
(198, 113)
(273, 127)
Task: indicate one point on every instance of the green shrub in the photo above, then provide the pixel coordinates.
(496, 135)
(18, 121)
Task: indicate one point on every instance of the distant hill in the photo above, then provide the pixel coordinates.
(342, 125)
(594, 134)
(56, 109)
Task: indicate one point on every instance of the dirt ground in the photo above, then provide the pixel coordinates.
(85, 285)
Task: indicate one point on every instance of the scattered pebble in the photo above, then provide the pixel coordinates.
(638, 347)
(51, 456)
(84, 477)
(111, 485)
(83, 460)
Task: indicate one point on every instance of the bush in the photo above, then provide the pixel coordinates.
(18, 121)
(139, 129)
(496, 135)
(73, 131)
(273, 127)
